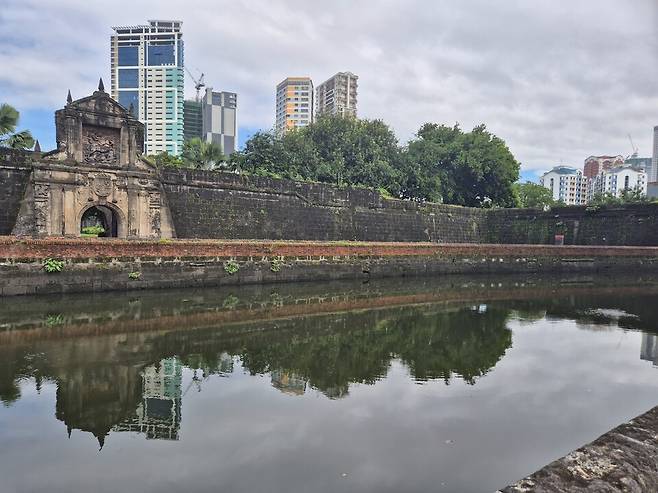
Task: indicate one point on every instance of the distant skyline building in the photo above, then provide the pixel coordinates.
(567, 184)
(596, 164)
(192, 119)
(653, 172)
(294, 104)
(214, 119)
(615, 180)
(146, 64)
(337, 95)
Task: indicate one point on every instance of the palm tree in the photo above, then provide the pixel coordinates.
(201, 154)
(8, 135)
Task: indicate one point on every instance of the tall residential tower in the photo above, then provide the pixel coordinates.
(214, 118)
(653, 172)
(147, 74)
(294, 104)
(337, 96)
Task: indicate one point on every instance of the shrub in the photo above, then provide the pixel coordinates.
(135, 275)
(52, 266)
(275, 264)
(231, 267)
(93, 230)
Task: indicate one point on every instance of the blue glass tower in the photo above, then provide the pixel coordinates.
(147, 73)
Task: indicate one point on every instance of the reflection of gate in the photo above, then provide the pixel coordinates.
(101, 217)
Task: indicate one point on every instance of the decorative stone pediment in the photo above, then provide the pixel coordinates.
(97, 131)
(100, 103)
(95, 178)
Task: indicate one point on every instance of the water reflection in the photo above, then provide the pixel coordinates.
(129, 367)
(133, 382)
(649, 349)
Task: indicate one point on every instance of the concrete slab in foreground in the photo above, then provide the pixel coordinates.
(623, 460)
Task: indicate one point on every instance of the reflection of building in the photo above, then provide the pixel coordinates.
(649, 348)
(288, 383)
(158, 416)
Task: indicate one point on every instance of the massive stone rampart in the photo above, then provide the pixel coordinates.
(15, 171)
(207, 204)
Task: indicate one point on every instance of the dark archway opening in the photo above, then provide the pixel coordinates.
(101, 221)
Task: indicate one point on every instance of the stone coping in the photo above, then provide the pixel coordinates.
(25, 248)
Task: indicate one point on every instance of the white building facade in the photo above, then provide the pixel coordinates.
(337, 95)
(567, 184)
(614, 181)
(147, 66)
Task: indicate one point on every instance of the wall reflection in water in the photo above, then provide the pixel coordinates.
(125, 373)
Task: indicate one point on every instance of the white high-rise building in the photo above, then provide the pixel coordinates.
(614, 181)
(294, 104)
(653, 172)
(147, 74)
(567, 185)
(338, 95)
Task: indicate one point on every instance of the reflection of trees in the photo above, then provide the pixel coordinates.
(102, 381)
(634, 312)
(332, 352)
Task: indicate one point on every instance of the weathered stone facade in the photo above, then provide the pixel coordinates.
(96, 172)
(97, 176)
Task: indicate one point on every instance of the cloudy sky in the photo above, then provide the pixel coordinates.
(558, 80)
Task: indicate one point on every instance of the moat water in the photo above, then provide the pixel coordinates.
(459, 385)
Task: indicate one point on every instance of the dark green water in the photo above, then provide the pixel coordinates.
(460, 385)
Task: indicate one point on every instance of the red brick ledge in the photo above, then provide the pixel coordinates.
(24, 248)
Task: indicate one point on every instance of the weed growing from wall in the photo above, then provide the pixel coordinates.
(231, 267)
(52, 266)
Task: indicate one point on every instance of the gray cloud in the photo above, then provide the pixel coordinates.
(558, 80)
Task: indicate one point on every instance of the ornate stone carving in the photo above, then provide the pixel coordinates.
(102, 185)
(100, 144)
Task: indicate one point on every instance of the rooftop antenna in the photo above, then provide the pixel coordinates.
(198, 83)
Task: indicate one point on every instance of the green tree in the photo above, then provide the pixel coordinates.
(198, 153)
(338, 150)
(464, 168)
(534, 196)
(8, 135)
(627, 196)
(166, 159)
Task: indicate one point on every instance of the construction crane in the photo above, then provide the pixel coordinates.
(636, 151)
(198, 83)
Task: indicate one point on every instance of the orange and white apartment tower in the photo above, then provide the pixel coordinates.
(294, 104)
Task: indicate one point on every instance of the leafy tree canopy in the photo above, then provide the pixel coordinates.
(8, 135)
(196, 154)
(534, 196)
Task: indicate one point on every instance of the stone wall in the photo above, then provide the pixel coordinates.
(108, 265)
(208, 204)
(14, 177)
(628, 225)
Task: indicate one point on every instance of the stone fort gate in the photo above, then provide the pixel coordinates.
(95, 177)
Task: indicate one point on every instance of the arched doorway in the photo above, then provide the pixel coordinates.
(100, 220)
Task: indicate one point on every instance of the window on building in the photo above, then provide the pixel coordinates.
(161, 55)
(128, 78)
(627, 181)
(128, 56)
(126, 98)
